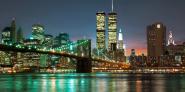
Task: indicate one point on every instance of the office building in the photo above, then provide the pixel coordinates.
(112, 29)
(156, 40)
(100, 30)
(61, 40)
(6, 36)
(30, 58)
(120, 48)
(120, 45)
(48, 40)
(170, 39)
(38, 32)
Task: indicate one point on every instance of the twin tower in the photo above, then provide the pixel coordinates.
(101, 26)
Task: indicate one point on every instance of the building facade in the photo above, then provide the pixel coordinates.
(48, 41)
(156, 40)
(6, 36)
(120, 48)
(120, 41)
(30, 58)
(112, 30)
(100, 30)
(38, 32)
(61, 40)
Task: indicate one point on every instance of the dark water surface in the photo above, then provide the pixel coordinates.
(95, 82)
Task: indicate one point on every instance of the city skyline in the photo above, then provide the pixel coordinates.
(78, 17)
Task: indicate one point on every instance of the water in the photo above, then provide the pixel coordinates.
(95, 82)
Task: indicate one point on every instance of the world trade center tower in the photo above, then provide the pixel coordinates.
(100, 29)
(112, 29)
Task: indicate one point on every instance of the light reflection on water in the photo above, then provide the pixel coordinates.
(95, 82)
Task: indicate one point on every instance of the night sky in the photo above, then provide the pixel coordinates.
(77, 17)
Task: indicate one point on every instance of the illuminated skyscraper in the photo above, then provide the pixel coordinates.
(38, 32)
(120, 41)
(100, 30)
(120, 48)
(112, 28)
(6, 37)
(156, 39)
(61, 40)
(170, 39)
(13, 31)
(48, 41)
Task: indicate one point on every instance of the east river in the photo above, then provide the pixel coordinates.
(94, 82)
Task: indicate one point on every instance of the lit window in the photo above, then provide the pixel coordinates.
(158, 26)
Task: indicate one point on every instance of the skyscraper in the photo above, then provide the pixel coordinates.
(38, 32)
(61, 40)
(112, 28)
(120, 41)
(170, 39)
(120, 48)
(100, 30)
(48, 41)
(6, 36)
(13, 31)
(20, 37)
(156, 39)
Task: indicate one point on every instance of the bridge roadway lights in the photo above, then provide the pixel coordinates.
(84, 65)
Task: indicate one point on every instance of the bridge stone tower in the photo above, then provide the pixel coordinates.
(84, 65)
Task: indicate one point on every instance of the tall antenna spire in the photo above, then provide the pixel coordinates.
(112, 5)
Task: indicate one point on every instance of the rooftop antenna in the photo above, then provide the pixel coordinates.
(112, 5)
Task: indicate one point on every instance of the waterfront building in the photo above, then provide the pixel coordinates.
(141, 61)
(10, 57)
(177, 52)
(100, 30)
(5, 58)
(175, 49)
(156, 41)
(30, 58)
